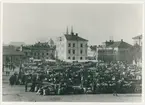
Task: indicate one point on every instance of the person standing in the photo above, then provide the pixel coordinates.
(33, 83)
(26, 86)
(11, 80)
(26, 82)
(114, 86)
(8, 72)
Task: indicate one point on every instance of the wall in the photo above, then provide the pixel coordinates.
(39, 53)
(61, 48)
(106, 54)
(77, 49)
(124, 55)
(12, 59)
(137, 41)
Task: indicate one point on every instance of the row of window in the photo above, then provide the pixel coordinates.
(73, 58)
(74, 45)
(39, 57)
(74, 51)
(36, 53)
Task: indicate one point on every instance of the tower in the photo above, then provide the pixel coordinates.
(67, 30)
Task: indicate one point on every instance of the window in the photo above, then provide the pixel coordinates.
(73, 51)
(68, 57)
(81, 45)
(69, 45)
(7, 59)
(81, 58)
(86, 45)
(73, 44)
(73, 58)
(81, 51)
(69, 51)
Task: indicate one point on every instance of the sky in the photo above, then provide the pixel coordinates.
(32, 22)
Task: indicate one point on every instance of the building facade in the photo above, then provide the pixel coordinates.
(71, 47)
(39, 51)
(137, 50)
(92, 53)
(11, 57)
(137, 40)
(115, 51)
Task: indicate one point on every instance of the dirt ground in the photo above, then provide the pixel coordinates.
(17, 94)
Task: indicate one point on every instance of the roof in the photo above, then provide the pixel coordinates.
(11, 51)
(137, 37)
(17, 43)
(120, 44)
(38, 47)
(93, 48)
(74, 38)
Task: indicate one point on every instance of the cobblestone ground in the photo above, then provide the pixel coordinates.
(17, 93)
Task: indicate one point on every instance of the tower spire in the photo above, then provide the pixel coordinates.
(67, 30)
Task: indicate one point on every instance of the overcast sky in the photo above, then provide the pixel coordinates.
(30, 23)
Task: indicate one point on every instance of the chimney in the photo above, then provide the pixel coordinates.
(67, 31)
(76, 34)
(72, 33)
(121, 40)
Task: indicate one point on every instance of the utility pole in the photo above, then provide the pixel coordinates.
(139, 41)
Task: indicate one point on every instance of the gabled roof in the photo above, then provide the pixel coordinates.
(120, 44)
(38, 47)
(93, 48)
(137, 37)
(11, 51)
(74, 38)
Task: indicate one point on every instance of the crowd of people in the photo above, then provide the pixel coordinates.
(47, 78)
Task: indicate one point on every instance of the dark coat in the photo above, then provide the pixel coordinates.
(12, 80)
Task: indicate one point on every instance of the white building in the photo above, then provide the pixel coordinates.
(92, 52)
(137, 50)
(51, 43)
(71, 47)
(137, 40)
